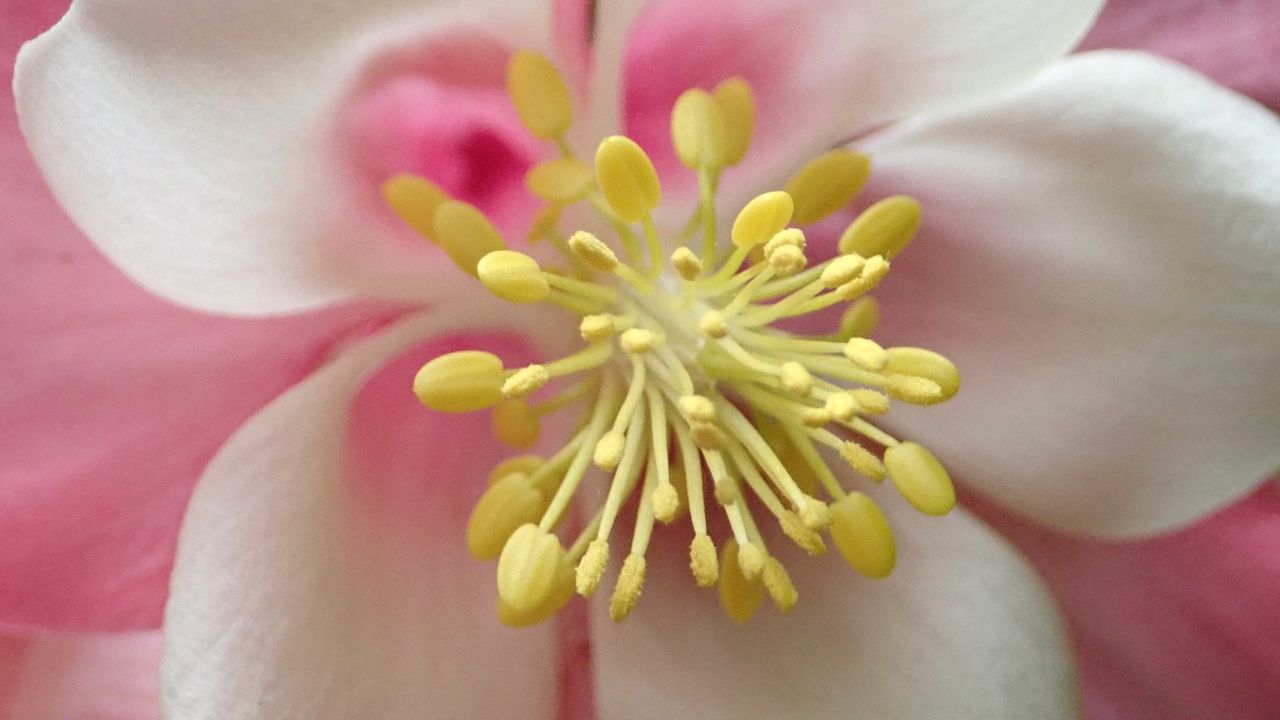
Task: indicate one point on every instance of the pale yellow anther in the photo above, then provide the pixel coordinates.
(513, 276)
(526, 380)
(866, 353)
(415, 200)
(787, 260)
(815, 417)
(862, 460)
(738, 106)
(697, 408)
(795, 379)
(815, 514)
(713, 325)
(724, 493)
(915, 390)
(627, 591)
(698, 130)
(591, 567)
(786, 237)
(460, 382)
(804, 536)
(520, 464)
(593, 250)
(920, 478)
(465, 234)
(885, 228)
(778, 584)
(608, 450)
(841, 406)
(539, 94)
(544, 222)
(627, 178)
(561, 593)
(666, 502)
(827, 183)
(860, 318)
(873, 271)
(596, 328)
(926, 364)
(870, 402)
(750, 560)
(843, 269)
(686, 263)
(760, 219)
(515, 423)
(707, 436)
(702, 561)
(505, 506)
(862, 535)
(528, 566)
(638, 340)
(739, 596)
(560, 180)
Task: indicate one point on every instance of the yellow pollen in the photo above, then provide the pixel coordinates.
(698, 409)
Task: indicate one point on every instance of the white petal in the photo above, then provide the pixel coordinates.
(193, 140)
(291, 599)
(963, 630)
(1101, 259)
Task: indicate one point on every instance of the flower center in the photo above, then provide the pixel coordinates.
(685, 384)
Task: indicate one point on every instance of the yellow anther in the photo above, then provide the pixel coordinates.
(739, 595)
(561, 593)
(795, 379)
(827, 183)
(627, 591)
(702, 561)
(698, 130)
(738, 106)
(526, 380)
(920, 478)
(793, 237)
(724, 493)
(515, 423)
(666, 502)
(638, 340)
(862, 535)
(528, 566)
(750, 560)
(593, 250)
(539, 94)
(465, 234)
(697, 408)
(608, 450)
(686, 264)
(862, 460)
(713, 325)
(627, 178)
(873, 271)
(708, 437)
(513, 276)
(815, 417)
(870, 402)
(787, 260)
(841, 406)
(885, 228)
(522, 464)
(560, 180)
(415, 200)
(802, 534)
(591, 567)
(507, 505)
(926, 364)
(760, 219)
(544, 222)
(860, 318)
(843, 269)
(595, 328)
(915, 390)
(460, 382)
(815, 514)
(778, 583)
(866, 353)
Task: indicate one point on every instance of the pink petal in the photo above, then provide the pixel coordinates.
(97, 677)
(1182, 627)
(1232, 41)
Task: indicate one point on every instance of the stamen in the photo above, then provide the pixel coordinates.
(827, 183)
(465, 234)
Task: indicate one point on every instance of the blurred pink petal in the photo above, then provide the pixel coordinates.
(80, 677)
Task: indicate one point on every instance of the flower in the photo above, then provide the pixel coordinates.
(300, 523)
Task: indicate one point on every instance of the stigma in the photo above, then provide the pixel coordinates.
(686, 396)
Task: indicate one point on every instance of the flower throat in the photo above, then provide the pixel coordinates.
(684, 385)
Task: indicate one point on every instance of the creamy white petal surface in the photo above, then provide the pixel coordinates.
(283, 606)
(1101, 259)
(963, 630)
(193, 140)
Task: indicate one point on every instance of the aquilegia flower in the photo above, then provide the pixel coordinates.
(1097, 255)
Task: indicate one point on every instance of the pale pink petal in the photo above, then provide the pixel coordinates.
(317, 583)
(196, 142)
(89, 677)
(1181, 627)
(1235, 42)
(1100, 261)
